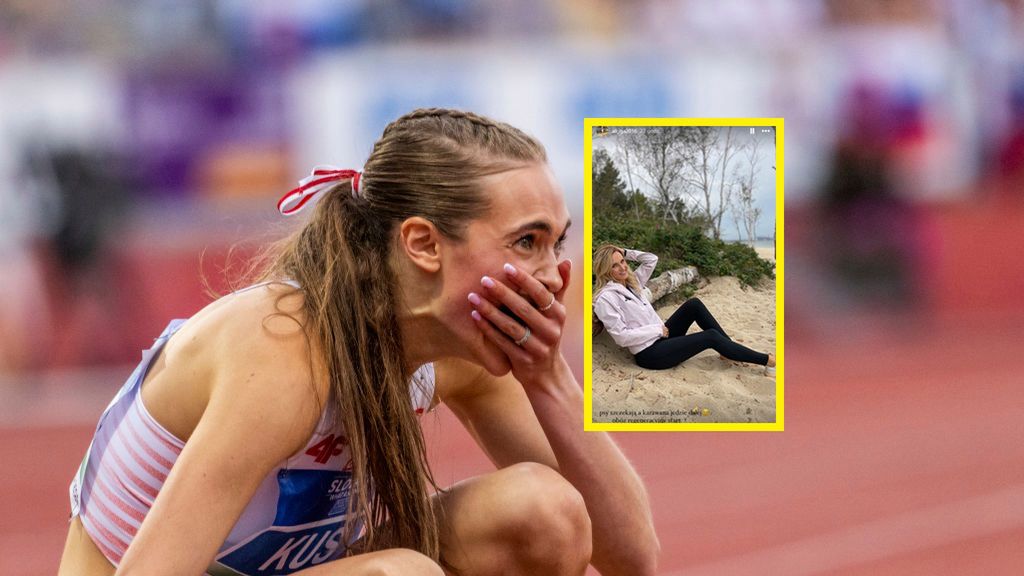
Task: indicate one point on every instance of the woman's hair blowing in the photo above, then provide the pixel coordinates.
(428, 163)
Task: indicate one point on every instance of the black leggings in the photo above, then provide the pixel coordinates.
(680, 346)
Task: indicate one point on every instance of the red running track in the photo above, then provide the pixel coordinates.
(899, 457)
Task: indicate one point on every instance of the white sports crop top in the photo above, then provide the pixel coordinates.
(295, 520)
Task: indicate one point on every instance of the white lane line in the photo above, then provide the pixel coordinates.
(974, 517)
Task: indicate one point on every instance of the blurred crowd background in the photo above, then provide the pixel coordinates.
(137, 137)
(143, 145)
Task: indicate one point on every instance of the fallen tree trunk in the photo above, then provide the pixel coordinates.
(670, 281)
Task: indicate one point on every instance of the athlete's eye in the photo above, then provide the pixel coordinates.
(526, 242)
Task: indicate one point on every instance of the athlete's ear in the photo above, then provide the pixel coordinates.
(420, 240)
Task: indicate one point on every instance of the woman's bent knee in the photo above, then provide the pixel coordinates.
(551, 527)
(401, 562)
(523, 519)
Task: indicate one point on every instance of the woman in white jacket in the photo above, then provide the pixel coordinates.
(620, 304)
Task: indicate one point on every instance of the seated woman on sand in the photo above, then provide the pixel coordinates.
(620, 304)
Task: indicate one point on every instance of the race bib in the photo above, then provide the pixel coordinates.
(308, 527)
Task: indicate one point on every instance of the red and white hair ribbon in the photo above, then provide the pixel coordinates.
(322, 179)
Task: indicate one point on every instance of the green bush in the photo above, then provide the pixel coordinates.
(679, 245)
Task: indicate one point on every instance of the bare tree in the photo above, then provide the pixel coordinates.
(624, 152)
(748, 212)
(724, 189)
(737, 214)
(661, 156)
(707, 173)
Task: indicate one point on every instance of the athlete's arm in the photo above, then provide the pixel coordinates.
(262, 408)
(610, 313)
(511, 428)
(550, 399)
(495, 411)
(647, 262)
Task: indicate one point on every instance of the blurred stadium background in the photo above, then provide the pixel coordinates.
(143, 145)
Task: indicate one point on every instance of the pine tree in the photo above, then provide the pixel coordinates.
(608, 188)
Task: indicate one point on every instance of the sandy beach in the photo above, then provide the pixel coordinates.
(719, 390)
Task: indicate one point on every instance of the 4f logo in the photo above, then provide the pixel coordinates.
(327, 448)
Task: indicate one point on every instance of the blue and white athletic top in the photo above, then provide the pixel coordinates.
(296, 518)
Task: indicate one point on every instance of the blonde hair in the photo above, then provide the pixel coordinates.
(427, 163)
(603, 268)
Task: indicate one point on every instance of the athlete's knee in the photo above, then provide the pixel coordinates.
(550, 527)
(401, 562)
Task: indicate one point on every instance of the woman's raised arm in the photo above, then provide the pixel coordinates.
(624, 541)
(647, 262)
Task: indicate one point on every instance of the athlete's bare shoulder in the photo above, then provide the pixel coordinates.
(250, 343)
(253, 324)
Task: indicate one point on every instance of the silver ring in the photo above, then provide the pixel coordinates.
(525, 337)
(550, 304)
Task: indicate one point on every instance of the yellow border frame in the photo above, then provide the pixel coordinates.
(588, 240)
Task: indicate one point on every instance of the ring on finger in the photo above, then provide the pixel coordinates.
(525, 337)
(550, 304)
